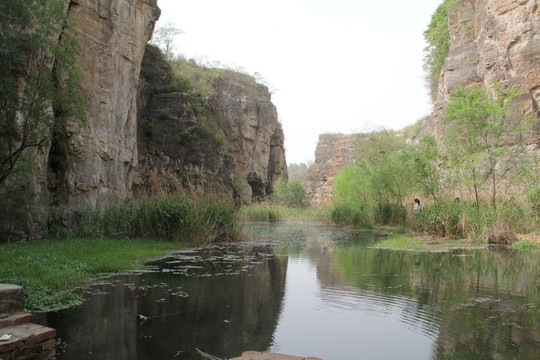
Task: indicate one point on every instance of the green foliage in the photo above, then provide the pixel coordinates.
(49, 270)
(345, 214)
(275, 213)
(297, 171)
(164, 37)
(292, 193)
(164, 113)
(192, 219)
(39, 78)
(438, 39)
(526, 245)
(378, 184)
(462, 219)
(267, 213)
(484, 136)
(176, 85)
(426, 169)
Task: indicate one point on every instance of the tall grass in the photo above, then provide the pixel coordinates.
(275, 213)
(462, 219)
(195, 219)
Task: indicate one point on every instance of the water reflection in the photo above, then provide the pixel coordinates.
(313, 290)
(220, 300)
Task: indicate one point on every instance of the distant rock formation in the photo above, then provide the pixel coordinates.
(333, 152)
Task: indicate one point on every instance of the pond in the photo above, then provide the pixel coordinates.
(312, 291)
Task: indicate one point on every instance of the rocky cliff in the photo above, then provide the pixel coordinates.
(491, 40)
(333, 152)
(227, 141)
(95, 167)
(248, 118)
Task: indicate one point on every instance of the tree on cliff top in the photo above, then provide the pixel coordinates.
(39, 78)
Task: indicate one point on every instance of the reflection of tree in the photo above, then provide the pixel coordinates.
(485, 303)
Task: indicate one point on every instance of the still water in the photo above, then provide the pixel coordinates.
(312, 291)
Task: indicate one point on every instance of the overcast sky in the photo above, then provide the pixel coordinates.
(334, 66)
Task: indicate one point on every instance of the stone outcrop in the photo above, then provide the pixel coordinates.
(491, 40)
(98, 161)
(177, 135)
(173, 139)
(248, 118)
(333, 152)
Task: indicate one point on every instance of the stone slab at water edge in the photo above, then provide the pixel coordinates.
(254, 355)
(23, 340)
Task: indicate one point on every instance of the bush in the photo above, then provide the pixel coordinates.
(292, 194)
(347, 215)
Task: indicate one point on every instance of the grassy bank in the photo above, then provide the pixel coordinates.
(49, 270)
(422, 243)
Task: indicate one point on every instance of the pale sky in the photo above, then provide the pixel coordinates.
(335, 66)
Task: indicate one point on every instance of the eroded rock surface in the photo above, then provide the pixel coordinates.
(493, 40)
(97, 168)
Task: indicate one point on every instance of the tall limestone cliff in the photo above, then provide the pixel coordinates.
(96, 165)
(228, 140)
(492, 40)
(244, 111)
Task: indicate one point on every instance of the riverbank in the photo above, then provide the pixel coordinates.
(50, 270)
(433, 243)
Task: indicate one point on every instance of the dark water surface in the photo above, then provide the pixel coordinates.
(312, 291)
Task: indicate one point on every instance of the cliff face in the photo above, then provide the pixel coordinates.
(172, 138)
(333, 152)
(491, 40)
(230, 142)
(97, 168)
(244, 111)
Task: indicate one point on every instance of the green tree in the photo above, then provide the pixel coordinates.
(438, 43)
(485, 132)
(39, 77)
(164, 38)
(292, 193)
(426, 166)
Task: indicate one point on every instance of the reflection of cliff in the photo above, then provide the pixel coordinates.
(223, 315)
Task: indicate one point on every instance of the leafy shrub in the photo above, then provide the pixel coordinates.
(346, 215)
(292, 193)
(176, 85)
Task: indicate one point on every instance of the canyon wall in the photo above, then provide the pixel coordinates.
(491, 40)
(96, 165)
(227, 141)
